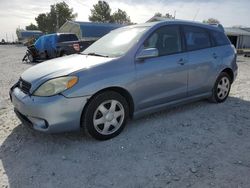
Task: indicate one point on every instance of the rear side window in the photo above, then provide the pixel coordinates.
(219, 38)
(196, 38)
(67, 37)
(166, 39)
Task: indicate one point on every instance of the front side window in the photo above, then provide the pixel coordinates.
(166, 39)
(196, 38)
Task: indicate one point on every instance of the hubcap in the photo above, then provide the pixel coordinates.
(223, 88)
(108, 117)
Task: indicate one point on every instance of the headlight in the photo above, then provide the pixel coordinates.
(55, 86)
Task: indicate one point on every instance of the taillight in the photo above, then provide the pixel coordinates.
(76, 47)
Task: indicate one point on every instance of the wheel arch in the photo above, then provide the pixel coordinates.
(229, 71)
(123, 92)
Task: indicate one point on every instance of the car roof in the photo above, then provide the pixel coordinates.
(216, 27)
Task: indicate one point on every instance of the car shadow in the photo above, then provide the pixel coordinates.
(155, 144)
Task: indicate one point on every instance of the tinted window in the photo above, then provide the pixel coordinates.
(64, 38)
(166, 39)
(196, 38)
(219, 38)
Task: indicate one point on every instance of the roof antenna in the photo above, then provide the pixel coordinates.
(196, 14)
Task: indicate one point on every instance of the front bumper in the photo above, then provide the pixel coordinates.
(48, 114)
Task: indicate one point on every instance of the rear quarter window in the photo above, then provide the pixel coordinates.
(196, 38)
(219, 38)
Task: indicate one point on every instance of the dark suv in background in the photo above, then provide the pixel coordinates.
(69, 44)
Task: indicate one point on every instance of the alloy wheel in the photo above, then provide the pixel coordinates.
(108, 117)
(223, 88)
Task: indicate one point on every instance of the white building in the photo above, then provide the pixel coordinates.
(25, 35)
(239, 37)
(87, 30)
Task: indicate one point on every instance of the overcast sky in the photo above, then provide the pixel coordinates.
(19, 13)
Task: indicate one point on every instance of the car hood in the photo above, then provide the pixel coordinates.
(61, 67)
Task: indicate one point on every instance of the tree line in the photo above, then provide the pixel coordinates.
(59, 13)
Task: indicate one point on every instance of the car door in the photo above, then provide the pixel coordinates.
(163, 78)
(202, 59)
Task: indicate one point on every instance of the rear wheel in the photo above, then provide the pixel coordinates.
(221, 88)
(106, 115)
(63, 54)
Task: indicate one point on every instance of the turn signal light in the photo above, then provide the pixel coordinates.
(72, 82)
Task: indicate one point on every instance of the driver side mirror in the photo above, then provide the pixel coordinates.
(147, 53)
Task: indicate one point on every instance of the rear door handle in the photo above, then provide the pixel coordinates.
(215, 55)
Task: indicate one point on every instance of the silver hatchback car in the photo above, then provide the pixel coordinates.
(129, 72)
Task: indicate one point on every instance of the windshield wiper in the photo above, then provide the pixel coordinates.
(95, 54)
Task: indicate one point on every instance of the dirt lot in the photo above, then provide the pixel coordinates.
(195, 145)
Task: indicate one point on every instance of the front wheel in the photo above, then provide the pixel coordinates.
(25, 58)
(30, 57)
(105, 115)
(221, 88)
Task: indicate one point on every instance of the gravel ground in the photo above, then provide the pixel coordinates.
(195, 145)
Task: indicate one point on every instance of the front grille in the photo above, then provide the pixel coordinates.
(24, 86)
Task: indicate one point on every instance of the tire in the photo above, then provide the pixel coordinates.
(25, 58)
(46, 55)
(221, 88)
(105, 115)
(63, 54)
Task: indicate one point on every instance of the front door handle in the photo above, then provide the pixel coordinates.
(181, 61)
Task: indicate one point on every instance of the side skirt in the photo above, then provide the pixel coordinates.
(171, 104)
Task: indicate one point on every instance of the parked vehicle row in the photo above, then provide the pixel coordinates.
(130, 72)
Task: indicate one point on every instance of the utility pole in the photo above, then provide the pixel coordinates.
(174, 14)
(196, 14)
(57, 21)
(6, 37)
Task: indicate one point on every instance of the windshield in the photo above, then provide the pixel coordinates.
(116, 43)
